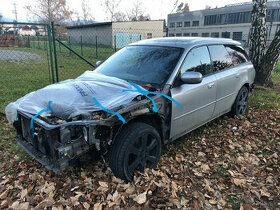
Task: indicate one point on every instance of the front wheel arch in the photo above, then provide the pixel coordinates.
(153, 120)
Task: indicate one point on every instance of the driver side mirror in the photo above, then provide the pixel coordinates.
(191, 77)
(98, 63)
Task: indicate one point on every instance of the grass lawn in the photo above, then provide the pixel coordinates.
(22, 77)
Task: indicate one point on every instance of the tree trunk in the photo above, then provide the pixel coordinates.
(258, 32)
(268, 63)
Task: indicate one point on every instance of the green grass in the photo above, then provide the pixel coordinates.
(20, 78)
(265, 97)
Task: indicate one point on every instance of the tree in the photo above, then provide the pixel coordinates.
(87, 16)
(183, 7)
(137, 12)
(111, 7)
(120, 16)
(264, 62)
(47, 11)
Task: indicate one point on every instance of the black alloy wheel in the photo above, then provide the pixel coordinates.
(136, 148)
(240, 105)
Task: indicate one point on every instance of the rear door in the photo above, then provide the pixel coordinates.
(227, 70)
(197, 100)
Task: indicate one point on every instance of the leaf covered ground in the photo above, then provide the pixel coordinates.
(229, 163)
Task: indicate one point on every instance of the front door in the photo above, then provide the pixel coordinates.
(197, 100)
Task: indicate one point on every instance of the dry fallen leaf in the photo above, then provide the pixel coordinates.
(141, 198)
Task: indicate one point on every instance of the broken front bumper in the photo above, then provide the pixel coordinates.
(54, 146)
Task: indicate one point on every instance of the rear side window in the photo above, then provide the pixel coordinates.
(220, 57)
(197, 60)
(238, 55)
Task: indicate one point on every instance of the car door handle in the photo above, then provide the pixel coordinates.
(211, 85)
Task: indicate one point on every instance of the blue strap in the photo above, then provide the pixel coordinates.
(39, 113)
(111, 112)
(154, 93)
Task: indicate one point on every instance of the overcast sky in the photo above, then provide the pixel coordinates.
(158, 9)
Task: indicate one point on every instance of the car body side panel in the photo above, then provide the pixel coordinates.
(227, 89)
(198, 103)
(229, 82)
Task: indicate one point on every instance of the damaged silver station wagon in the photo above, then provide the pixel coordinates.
(145, 95)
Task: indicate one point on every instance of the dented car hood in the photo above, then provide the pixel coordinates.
(74, 97)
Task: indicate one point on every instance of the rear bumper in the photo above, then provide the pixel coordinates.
(52, 164)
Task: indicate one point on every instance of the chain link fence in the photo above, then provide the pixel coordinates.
(24, 60)
(96, 42)
(30, 59)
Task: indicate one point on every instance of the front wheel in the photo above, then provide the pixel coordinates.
(137, 147)
(240, 105)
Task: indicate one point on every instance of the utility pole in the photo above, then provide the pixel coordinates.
(15, 11)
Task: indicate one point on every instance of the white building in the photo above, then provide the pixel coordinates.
(232, 21)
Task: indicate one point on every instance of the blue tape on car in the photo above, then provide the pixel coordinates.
(39, 113)
(111, 112)
(154, 93)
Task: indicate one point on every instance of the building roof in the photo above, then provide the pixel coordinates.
(185, 42)
(105, 23)
(90, 25)
(238, 7)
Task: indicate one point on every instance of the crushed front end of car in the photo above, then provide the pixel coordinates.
(55, 144)
(74, 124)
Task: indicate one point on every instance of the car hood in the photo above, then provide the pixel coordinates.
(74, 97)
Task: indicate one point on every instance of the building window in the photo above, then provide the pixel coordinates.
(225, 34)
(237, 36)
(194, 34)
(149, 35)
(172, 25)
(186, 34)
(178, 34)
(171, 35)
(205, 34)
(230, 18)
(195, 23)
(215, 34)
(273, 15)
(179, 24)
(187, 24)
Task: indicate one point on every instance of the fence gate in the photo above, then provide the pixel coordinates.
(25, 59)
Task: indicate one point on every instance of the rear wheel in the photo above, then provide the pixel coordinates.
(137, 147)
(240, 105)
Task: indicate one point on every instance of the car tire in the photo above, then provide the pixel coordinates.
(138, 146)
(240, 105)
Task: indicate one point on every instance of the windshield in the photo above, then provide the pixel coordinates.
(142, 64)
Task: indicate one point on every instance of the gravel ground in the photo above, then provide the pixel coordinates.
(18, 56)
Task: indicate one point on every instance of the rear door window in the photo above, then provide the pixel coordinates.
(238, 55)
(220, 57)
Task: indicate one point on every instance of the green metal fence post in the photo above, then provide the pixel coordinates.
(28, 42)
(38, 42)
(82, 45)
(54, 52)
(69, 43)
(50, 49)
(115, 38)
(96, 52)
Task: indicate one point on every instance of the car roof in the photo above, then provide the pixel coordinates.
(185, 42)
